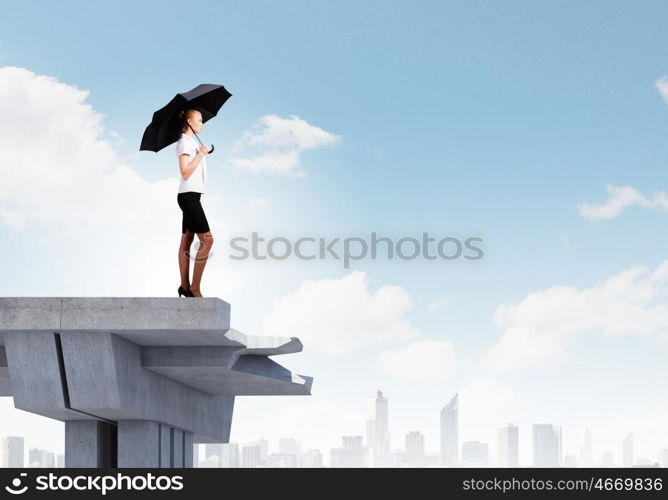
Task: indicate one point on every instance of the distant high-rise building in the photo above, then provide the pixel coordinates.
(278, 460)
(475, 454)
(310, 459)
(352, 442)
(60, 460)
(12, 451)
(377, 429)
(213, 449)
(212, 462)
(227, 455)
(264, 449)
(196, 454)
(433, 459)
(415, 454)
(607, 460)
(251, 455)
(570, 461)
(36, 457)
(586, 452)
(391, 460)
(560, 441)
(546, 444)
(289, 446)
(352, 454)
(508, 446)
(450, 434)
(627, 450)
(213, 454)
(230, 455)
(663, 457)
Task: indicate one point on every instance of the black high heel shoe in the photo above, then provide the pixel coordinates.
(183, 291)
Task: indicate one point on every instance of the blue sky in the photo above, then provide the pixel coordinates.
(488, 119)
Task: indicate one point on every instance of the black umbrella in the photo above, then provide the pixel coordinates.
(164, 129)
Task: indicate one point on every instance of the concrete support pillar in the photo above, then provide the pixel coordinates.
(165, 446)
(138, 443)
(188, 449)
(178, 448)
(144, 443)
(90, 443)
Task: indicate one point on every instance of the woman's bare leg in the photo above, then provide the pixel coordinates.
(184, 258)
(206, 240)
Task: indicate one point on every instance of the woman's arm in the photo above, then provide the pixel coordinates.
(188, 167)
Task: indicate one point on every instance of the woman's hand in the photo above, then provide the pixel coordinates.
(204, 149)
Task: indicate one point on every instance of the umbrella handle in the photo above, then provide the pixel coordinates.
(200, 141)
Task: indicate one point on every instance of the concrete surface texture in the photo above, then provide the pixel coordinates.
(137, 380)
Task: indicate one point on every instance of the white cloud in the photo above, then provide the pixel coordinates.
(565, 241)
(257, 202)
(59, 168)
(278, 162)
(337, 316)
(438, 304)
(281, 142)
(13, 218)
(420, 360)
(619, 198)
(539, 329)
(279, 132)
(662, 86)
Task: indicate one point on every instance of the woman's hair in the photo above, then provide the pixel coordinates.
(184, 116)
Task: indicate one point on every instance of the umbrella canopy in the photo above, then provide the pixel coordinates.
(164, 129)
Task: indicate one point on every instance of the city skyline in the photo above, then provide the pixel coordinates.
(365, 451)
(546, 444)
(14, 454)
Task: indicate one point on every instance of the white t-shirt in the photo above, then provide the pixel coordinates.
(188, 145)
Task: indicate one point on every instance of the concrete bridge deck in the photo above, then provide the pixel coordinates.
(137, 380)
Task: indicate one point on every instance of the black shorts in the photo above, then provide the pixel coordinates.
(194, 219)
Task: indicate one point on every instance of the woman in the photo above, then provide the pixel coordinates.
(192, 164)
